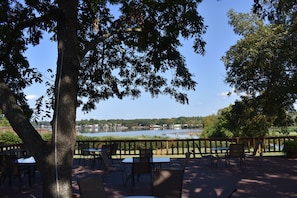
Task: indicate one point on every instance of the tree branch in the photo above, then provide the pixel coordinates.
(18, 120)
(52, 14)
(92, 44)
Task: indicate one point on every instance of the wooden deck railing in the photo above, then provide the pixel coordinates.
(180, 146)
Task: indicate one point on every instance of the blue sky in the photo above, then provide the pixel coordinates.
(210, 94)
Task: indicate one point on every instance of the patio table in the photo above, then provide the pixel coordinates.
(218, 151)
(94, 152)
(28, 160)
(154, 160)
(28, 163)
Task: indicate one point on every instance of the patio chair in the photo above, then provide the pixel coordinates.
(231, 193)
(84, 154)
(91, 187)
(204, 156)
(112, 167)
(111, 149)
(145, 153)
(10, 168)
(236, 151)
(167, 183)
(141, 165)
(20, 153)
(180, 166)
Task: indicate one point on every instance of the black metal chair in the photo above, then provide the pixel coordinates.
(141, 165)
(167, 183)
(112, 167)
(180, 166)
(204, 156)
(145, 153)
(236, 151)
(84, 153)
(91, 187)
(10, 168)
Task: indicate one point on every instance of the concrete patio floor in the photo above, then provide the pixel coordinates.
(266, 177)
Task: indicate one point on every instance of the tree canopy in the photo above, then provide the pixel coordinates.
(239, 120)
(245, 118)
(106, 49)
(124, 47)
(136, 49)
(262, 64)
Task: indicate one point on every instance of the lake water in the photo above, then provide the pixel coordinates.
(171, 133)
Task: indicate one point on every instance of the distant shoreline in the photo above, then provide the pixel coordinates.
(191, 133)
(175, 133)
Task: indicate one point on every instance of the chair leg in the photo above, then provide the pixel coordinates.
(227, 161)
(29, 177)
(127, 179)
(123, 178)
(20, 183)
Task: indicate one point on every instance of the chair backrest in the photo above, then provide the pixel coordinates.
(114, 148)
(111, 149)
(145, 153)
(167, 183)
(199, 149)
(105, 159)
(82, 146)
(184, 164)
(106, 147)
(200, 152)
(236, 150)
(141, 165)
(188, 154)
(92, 187)
(20, 153)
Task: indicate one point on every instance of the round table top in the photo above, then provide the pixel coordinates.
(28, 160)
(154, 160)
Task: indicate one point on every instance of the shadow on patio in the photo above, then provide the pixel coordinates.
(269, 177)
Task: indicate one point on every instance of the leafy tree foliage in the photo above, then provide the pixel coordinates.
(3, 121)
(120, 55)
(241, 119)
(246, 120)
(9, 138)
(102, 53)
(262, 64)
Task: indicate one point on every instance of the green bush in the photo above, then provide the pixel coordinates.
(9, 138)
(290, 145)
(46, 136)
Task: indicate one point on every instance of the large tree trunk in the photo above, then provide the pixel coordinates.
(65, 104)
(54, 158)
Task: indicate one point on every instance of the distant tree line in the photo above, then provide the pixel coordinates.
(192, 122)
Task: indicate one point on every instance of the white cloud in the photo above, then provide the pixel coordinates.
(224, 94)
(31, 97)
(227, 94)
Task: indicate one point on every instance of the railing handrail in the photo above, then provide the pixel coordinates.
(180, 146)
